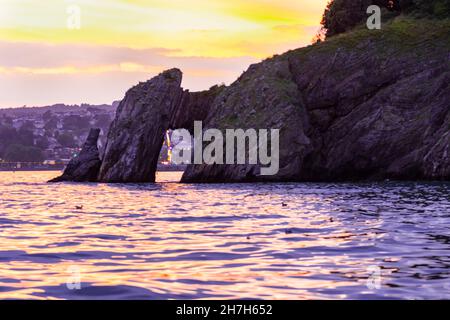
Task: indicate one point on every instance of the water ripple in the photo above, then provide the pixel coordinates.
(258, 241)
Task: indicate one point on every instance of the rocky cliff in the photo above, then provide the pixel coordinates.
(368, 104)
(362, 105)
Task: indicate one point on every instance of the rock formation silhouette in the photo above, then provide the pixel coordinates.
(85, 166)
(365, 105)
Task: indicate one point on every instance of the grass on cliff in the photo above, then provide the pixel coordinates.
(402, 34)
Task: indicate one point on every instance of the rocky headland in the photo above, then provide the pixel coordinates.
(362, 105)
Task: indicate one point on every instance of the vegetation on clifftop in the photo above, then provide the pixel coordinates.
(341, 16)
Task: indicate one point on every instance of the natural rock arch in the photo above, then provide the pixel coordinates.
(136, 135)
(345, 113)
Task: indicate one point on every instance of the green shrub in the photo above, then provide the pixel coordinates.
(343, 15)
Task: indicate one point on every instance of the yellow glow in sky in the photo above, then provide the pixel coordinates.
(180, 33)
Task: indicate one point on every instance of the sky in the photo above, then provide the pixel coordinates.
(92, 51)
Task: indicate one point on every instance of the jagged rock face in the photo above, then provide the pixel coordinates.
(265, 97)
(194, 106)
(380, 109)
(84, 167)
(137, 133)
(365, 105)
(437, 160)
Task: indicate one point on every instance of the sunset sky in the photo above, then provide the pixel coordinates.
(119, 43)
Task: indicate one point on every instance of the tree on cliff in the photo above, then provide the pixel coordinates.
(343, 15)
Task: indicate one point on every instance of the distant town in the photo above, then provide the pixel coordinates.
(46, 138)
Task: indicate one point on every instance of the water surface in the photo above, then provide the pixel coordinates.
(261, 241)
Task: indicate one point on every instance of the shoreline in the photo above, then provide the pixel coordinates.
(160, 169)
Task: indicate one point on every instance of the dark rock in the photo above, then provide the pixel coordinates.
(137, 133)
(85, 166)
(264, 97)
(195, 106)
(369, 104)
(365, 105)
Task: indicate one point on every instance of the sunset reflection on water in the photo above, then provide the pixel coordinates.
(169, 240)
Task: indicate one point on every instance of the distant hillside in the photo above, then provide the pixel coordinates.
(35, 134)
(56, 108)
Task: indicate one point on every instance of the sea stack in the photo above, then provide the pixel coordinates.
(85, 166)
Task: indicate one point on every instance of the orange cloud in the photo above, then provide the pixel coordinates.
(121, 42)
